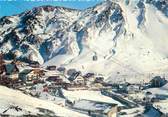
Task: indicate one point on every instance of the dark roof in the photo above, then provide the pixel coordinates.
(11, 68)
(53, 78)
(157, 78)
(51, 67)
(100, 78)
(61, 69)
(34, 63)
(74, 76)
(89, 75)
(71, 72)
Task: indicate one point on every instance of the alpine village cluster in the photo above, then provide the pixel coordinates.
(25, 76)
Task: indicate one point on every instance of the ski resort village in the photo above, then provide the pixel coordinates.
(87, 93)
(108, 60)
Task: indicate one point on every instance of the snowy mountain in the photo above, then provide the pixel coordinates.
(15, 103)
(128, 36)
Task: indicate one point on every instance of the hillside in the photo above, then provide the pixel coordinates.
(126, 37)
(15, 103)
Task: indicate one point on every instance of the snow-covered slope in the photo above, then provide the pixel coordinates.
(126, 36)
(29, 105)
(89, 95)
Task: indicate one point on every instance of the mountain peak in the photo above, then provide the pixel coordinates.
(114, 31)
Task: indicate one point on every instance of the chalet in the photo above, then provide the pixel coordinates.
(39, 72)
(133, 89)
(148, 99)
(76, 78)
(31, 74)
(11, 71)
(2, 67)
(122, 88)
(55, 79)
(19, 63)
(26, 75)
(157, 81)
(61, 69)
(99, 79)
(34, 64)
(51, 67)
(71, 72)
(96, 108)
(89, 77)
(145, 86)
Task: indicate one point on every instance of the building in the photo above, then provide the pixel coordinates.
(77, 78)
(133, 89)
(31, 74)
(154, 112)
(11, 71)
(53, 67)
(19, 63)
(11, 68)
(99, 79)
(55, 79)
(157, 81)
(89, 77)
(34, 64)
(2, 69)
(61, 69)
(122, 88)
(39, 72)
(71, 72)
(26, 75)
(96, 108)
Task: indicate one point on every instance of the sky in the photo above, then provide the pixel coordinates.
(12, 7)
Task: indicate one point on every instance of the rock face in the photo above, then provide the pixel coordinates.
(124, 35)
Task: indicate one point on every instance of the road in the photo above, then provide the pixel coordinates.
(125, 102)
